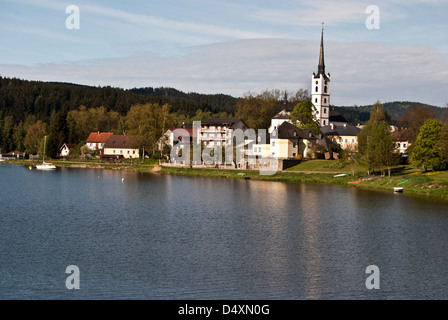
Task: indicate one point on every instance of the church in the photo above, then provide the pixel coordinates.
(332, 124)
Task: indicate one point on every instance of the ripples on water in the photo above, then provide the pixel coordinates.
(167, 237)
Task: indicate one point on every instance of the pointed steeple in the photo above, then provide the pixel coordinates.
(321, 66)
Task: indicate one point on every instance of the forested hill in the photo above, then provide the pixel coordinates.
(19, 98)
(396, 109)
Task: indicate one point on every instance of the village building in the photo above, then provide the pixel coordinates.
(219, 131)
(64, 150)
(344, 134)
(120, 146)
(401, 136)
(96, 140)
(169, 139)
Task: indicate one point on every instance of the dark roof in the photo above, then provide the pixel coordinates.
(222, 122)
(69, 145)
(337, 117)
(340, 130)
(402, 134)
(119, 142)
(289, 131)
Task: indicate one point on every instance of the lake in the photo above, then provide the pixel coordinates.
(170, 237)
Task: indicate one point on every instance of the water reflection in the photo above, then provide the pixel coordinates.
(169, 237)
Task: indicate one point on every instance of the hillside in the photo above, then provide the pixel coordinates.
(19, 98)
(361, 114)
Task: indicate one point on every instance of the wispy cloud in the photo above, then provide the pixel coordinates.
(361, 73)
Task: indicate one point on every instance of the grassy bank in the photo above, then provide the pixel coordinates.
(428, 184)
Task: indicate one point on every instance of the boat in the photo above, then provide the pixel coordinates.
(341, 175)
(45, 165)
(398, 189)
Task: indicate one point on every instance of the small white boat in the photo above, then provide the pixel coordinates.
(398, 189)
(45, 165)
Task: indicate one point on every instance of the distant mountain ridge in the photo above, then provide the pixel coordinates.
(19, 98)
(361, 114)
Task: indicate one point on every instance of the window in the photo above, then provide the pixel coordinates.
(294, 154)
(404, 145)
(294, 144)
(129, 152)
(317, 82)
(114, 151)
(121, 151)
(325, 110)
(345, 140)
(315, 100)
(353, 140)
(317, 89)
(325, 100)
(273, 143)
(325, 123)
(325, 89)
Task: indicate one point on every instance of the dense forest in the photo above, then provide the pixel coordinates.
(67, 112)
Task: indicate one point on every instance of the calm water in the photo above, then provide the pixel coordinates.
(167, 237)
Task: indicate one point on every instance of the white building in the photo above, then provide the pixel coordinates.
(120, 146)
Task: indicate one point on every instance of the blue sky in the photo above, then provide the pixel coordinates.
(233, 47)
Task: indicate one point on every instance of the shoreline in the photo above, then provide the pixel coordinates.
(429, 185)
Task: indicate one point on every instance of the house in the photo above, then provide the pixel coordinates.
(401, 137)
(290, 142)
(120, 146)
(344, 134)
(170, 140)
(64, 151)
(96, 140)
(219, 131)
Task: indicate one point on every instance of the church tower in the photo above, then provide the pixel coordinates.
(320, 88)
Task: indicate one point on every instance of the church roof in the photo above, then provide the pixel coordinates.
(321, 65)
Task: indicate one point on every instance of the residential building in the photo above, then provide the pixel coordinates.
(64, 151)
(169, 139)
(344, 134)
(96, 140)
(120, 146)
(219, 131)
(401, 139)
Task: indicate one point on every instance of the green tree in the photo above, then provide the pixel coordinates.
(34, 136)
(58, 132)
(303, 117)
(427, 152)
(147, 123)
(375, 143)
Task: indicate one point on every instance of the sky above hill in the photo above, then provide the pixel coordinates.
(233, 47)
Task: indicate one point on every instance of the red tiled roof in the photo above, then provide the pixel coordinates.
(99, 137)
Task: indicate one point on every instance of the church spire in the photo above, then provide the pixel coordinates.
(321, 66)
